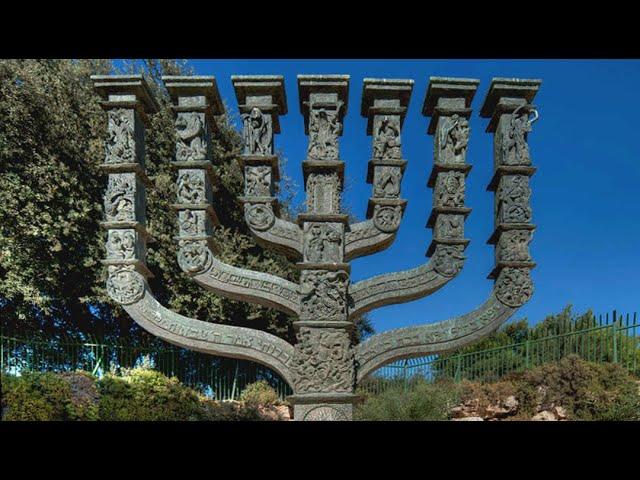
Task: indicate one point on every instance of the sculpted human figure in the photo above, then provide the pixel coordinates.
(515, 150)
(191, 142)
(455, 138)
(324, 128)
(257, 133)
(387, 140)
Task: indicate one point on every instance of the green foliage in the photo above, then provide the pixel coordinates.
(51, 145)
(142, 394)
(259, 393)
(418, 401)
(48, 396)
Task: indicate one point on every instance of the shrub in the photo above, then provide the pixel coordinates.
(419, 401)
(259, 393)
(142, 394)
(49, 396)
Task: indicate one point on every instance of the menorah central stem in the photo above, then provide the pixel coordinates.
(324, 357)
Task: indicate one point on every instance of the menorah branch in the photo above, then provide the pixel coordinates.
(196, 103)
(508, 106)
(128, 101)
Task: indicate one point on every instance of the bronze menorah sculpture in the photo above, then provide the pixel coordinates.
(323, 367)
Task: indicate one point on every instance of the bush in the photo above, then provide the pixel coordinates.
(419, 401)
(259, 393)
(142, 394)
(49, 396)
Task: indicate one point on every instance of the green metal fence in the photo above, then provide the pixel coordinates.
(609, 338)
(216, 377)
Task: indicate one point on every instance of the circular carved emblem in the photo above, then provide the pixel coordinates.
(387, 218)
(259, 216)
(194, 257)
(125, 286)
(514, 286)
(323, 414)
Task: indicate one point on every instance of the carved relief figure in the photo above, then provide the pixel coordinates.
(324, 128)
(515, 150)
(120, 142)
(193, 256)
(192, 223)
(191, 186)
(448, 260)
(514, 286)
(450, 226)
(257, 133)
(387, 183)
(514, 194)
(119, 200)
(191, 144)
(323, 361)
(323, 193)
(323, 294)
(258, 181)
(454, 138)
(121, 244)
(323, 244)
(449, 189)
(386, 143)
(514, 246)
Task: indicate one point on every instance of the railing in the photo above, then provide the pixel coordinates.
(603, 339)
(215, 377)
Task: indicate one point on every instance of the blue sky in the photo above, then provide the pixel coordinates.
(586, 200)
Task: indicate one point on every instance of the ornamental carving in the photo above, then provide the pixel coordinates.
(257, 181)
(514, 286)
(259, 216)
(192, 222)
(323, 295)
(191, 134)
(514, 246)
(323, 361)
(387, 218)
(323, 193)
(194, 256)
(449, 226)
(324, 413)
(121, 143)
(125, 285)
(387, 182)
(515, 149)
(323, 243)
(324, 129)
(513, 198)
(121, 244)
(448, 259)
(191, 187)
(450, 189)
(454, 139)
(257, 133)
(119, 200)
(386, 140)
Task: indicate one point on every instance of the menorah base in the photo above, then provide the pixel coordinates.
(323, 406)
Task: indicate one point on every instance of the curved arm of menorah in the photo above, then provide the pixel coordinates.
(197, 259)
(364, 238)
(130, 289)
(407, 285)
(269, 230)
(411, 342)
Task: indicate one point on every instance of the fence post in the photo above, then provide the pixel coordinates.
(458, 369)
(615, 340)
(404, 375)
(527, 353)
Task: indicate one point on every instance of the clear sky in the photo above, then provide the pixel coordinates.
(586, 200)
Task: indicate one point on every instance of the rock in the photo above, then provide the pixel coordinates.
(544, 416)
(511, 403)
(284, 411)
(560, 412)
(468, 419)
